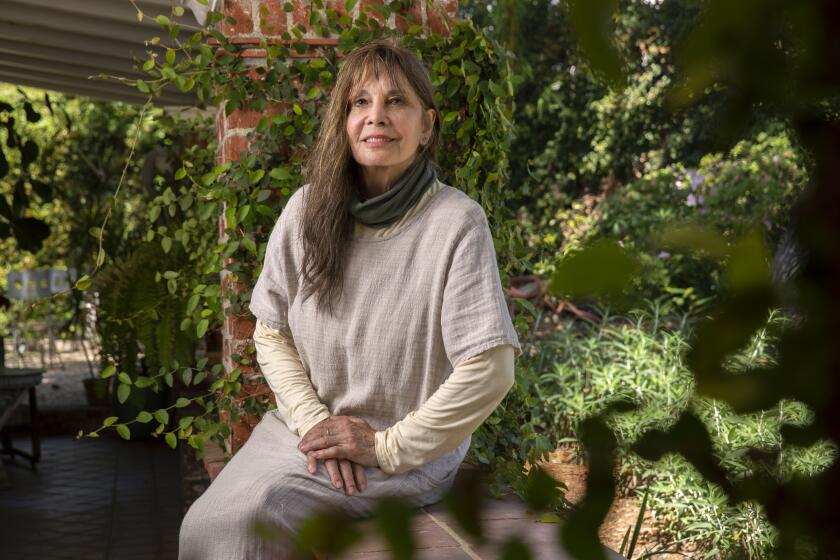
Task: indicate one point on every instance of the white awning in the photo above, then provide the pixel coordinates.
(64, 45)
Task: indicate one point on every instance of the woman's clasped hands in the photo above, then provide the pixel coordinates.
(346, 444)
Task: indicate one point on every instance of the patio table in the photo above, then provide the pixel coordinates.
(15, 384)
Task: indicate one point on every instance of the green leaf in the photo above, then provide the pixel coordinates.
(280, 173)
(28, 153)
(180, 174)
(255, 176)
(123, 391)
(515, 549)
(186, 376)
(163, 20)
(694, 238)
(496, 89)
(592, 24)
(162, 416)
(154, 213)
(394, 519)
(541, 491)
(144, 417)
(124, 378)
(199, 377)
(171, 440)
(249, 244)
(109, 421)
(201, 328)
(602, 269)
(192, 303)
(142, 86)
(143, 381)
(182, 402)
(108, 371)
(748, 267)
(82, 283)
(124, 432)
(30, 233)
(166, 243)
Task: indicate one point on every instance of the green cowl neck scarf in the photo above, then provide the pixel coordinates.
(387, 208)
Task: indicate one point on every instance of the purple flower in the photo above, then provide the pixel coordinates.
(691, 200)
(696, 179)
(700, 200)
(663, 254)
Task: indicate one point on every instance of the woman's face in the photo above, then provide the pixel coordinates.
(385, 126)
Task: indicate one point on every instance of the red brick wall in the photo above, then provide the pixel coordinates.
(256, 21)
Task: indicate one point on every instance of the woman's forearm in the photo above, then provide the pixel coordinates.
(281, 366)
(468, 396)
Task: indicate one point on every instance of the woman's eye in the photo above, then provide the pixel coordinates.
(359, 102)
(395, 100)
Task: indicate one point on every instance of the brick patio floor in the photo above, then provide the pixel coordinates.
(92, 499)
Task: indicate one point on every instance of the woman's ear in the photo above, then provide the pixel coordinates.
(429, 123)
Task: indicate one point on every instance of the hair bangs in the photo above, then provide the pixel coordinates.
(378, 65)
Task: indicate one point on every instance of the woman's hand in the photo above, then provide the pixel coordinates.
(343, 474)
(340, 437)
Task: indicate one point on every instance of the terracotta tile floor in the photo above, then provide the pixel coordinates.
(92, 499)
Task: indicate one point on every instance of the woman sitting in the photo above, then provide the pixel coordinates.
(381, 328)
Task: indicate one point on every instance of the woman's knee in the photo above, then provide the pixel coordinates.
(224, 521)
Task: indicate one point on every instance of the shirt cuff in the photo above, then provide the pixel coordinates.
(380, 445)
(307, 425)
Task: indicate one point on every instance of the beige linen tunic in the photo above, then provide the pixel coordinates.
(416, 302)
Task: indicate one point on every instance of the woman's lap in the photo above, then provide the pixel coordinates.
(267, 481)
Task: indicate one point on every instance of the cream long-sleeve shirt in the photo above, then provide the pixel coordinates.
(474, 388)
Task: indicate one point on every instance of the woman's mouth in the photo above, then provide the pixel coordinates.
(377, 140)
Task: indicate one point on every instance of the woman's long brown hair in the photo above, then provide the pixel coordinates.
(326, 226)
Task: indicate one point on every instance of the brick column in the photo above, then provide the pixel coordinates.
(258, 21)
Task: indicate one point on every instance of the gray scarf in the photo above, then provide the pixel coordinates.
(387, 208)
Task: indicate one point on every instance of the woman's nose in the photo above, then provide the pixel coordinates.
(377, 115)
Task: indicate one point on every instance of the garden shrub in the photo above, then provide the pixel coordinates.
(638, 357)
(752, 186)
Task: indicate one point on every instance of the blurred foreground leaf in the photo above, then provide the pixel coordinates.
(592, 24)
(601, 270)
